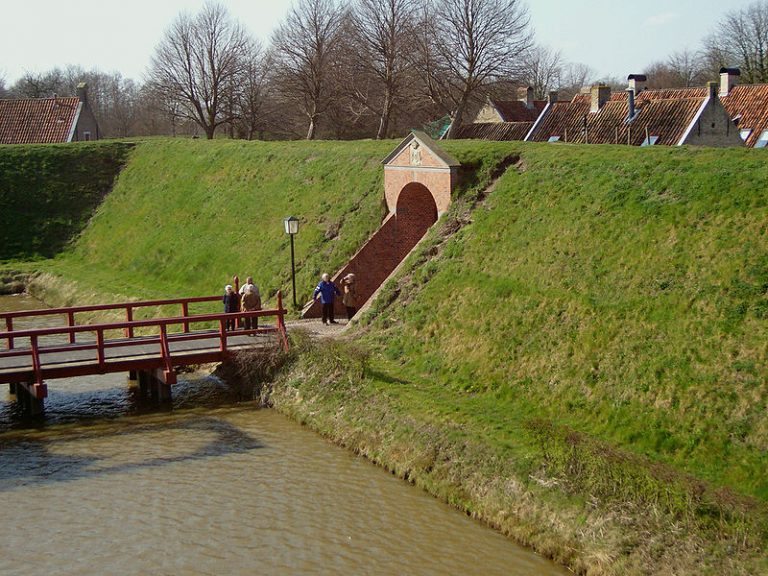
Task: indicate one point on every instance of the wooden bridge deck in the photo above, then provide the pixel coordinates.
(125, 354)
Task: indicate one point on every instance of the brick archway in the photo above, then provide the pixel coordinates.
(415, 213)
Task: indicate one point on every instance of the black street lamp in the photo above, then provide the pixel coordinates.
(292, 228)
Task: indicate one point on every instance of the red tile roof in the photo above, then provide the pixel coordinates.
(748, 103)
(495, 131)
(666, 118)
(517, 111)
(43, 120)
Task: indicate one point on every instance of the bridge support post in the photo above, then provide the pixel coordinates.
(155, 384)
(31, 397)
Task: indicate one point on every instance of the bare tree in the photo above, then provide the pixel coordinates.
(741, 39)
(199, 62)
(477, 41)
(253, 94)
(381, 36)
(542, 70)
(681, 70)
(304, 46)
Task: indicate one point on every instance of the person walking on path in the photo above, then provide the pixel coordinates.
(250, 302)
(231, 304)
(327, 291)
(350, 294)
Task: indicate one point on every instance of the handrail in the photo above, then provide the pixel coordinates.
(129, 307)
(143, 323)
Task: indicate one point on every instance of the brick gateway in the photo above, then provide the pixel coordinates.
(419, 178)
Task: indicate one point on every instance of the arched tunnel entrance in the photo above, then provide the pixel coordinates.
(416, 212)
(418, 180)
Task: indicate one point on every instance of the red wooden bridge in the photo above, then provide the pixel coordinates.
(151, 348)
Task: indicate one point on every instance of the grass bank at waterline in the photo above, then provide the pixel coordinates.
(580, 360)
(48, 193)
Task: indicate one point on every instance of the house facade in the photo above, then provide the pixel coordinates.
(48, 120)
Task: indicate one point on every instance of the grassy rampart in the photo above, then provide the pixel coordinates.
(48, 193)
(590, 339)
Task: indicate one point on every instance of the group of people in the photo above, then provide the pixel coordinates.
(247, 299)
(327, 291)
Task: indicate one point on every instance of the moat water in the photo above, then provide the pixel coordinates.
(102, 484)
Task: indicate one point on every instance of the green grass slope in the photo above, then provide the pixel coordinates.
(620, 292)
(48, 193)
(186, 215)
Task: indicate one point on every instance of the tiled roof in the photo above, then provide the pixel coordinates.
(43, 120)
(748, 102)
(667, 119)
(495, 131)
(517, 111)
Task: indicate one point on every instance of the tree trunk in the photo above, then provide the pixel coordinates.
(458, 118)
(312, 127)
(384, 120)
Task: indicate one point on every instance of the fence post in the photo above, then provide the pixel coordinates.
(9, 325)
(129, 318)
(185, 313)
(71, 318)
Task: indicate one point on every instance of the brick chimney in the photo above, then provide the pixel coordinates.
(601, 93)
(526, 95)
(553, 97)
(636, 82)
(728, 79)
(82, 92)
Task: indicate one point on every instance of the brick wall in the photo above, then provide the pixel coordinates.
(377, 259)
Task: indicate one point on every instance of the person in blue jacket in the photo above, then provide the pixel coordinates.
(327, 291)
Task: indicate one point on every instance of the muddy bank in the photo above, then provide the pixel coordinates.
(13, 282)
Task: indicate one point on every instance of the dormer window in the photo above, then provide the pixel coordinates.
(763, 140)
(650, 141)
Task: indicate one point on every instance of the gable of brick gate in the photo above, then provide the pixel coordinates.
(419, 160)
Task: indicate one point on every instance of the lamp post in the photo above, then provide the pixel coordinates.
(292, 228)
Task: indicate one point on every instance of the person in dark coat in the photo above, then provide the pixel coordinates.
(231, 304)
(327, 292)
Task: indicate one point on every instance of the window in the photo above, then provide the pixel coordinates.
(744, 133)
(763, 140)
(554, 139)
(650, 141)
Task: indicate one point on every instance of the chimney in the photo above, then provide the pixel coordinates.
(637, 82)
(712, 90)
(82, 92)
(631, 102)
(601, 93)
(728, 79)
(553, 97)
(526, 95)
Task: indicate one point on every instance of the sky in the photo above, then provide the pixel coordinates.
(614, 38)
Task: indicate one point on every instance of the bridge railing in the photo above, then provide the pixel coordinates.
(163, 338)
(70, 313)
